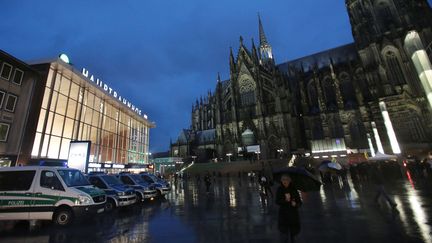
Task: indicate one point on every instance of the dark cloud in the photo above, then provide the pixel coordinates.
(165, 54)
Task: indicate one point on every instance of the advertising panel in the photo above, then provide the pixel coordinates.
(253, 149)
(79, 152)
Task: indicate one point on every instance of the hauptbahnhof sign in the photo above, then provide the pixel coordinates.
(112, 92)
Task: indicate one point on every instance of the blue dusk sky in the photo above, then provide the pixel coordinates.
(162, 55)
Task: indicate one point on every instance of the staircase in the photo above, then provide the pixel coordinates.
(236, 166)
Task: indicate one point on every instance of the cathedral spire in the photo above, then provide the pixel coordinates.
(265, 48)
(263, 39)
(254, 51)
(232, 61)
(218, 78)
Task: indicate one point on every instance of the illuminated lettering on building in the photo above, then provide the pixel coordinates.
(112, 92)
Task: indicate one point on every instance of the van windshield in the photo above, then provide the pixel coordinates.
(138, 179)
(73, 178)
(155, 178)
(111, 180)
(147, 178)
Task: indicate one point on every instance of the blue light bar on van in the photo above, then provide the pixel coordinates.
(53, 163)
(96, 173)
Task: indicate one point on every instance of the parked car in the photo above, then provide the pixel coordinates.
(47, 193)
(162, 186)
(143, 189)
(118, 194)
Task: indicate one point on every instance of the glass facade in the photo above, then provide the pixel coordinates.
(73, 108)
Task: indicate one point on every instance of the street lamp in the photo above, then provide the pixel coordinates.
(258, 153)
(280, 151)
(229, 156)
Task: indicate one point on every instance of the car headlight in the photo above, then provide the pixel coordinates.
(121, 193)
(83, 200)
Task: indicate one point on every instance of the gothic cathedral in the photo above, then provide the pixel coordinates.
(334, 94)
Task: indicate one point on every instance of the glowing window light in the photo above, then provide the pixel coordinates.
(371, 145)
(390, 131)
(414, 46)
(292, 160)
(377, 138)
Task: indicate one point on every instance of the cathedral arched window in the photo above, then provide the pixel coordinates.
(313, 97)
(358, 134)
(385, 11)
(317, 130)
(415, 127)
(329, 94)
(394, 68)
(247, 98)
(228, 105)
(409, 126)
(366, 86)
(348, 92)
(247, 91)
(335, 127)
(385, 14)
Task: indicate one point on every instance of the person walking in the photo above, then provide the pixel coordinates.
(198, 179)
(288, 199)
(377, 179)
(265, 185)
(207, 181)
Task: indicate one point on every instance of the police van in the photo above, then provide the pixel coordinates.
(162, 186)
(143, 189)
(118, 194)
(47, 193)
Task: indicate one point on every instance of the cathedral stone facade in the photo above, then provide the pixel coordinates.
(334, 94)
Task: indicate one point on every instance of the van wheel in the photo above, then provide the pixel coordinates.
(63, 217)
(110, 205)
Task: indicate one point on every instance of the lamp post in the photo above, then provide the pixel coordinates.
(280, 151)
(229, 157)
(258, 155)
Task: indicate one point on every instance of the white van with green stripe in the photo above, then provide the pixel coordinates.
(47, 193)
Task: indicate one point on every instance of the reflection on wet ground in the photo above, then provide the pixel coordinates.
(235, 211)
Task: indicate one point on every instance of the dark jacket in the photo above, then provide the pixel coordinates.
(207, 179)
(376, 176)
(289, 219)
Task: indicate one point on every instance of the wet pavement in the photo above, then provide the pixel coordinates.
(235, 211)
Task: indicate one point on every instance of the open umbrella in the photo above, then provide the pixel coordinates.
(327, 165)
(301, 178)
(335, 165)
